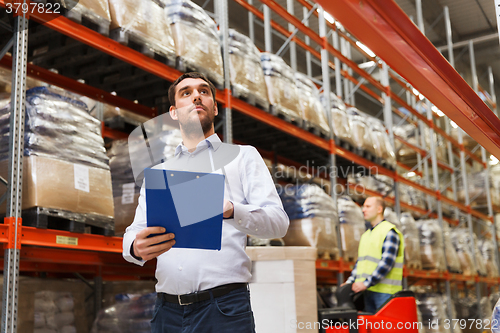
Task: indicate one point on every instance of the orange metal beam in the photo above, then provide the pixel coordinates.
(388, 32)
(407, 168)
(113, 134)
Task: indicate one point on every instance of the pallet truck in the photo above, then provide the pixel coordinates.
(398, 314)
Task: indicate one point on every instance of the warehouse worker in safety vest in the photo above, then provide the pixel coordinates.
(379, 268)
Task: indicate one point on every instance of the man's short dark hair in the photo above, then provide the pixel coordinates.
(191, 75)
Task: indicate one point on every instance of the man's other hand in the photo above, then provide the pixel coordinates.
(149, 248)
(228, 209)
(358, 287)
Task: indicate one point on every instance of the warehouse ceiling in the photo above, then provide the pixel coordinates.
(470, 19)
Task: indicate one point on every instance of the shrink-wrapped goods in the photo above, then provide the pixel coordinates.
(340, 121)
(247, 77)
(412, 135)
(391, 216)
(383, 147)
(352, 226)
(433, 309)
(313, 219)
(412, 241)
(282, 90)
(96, 11)
(144, 22)
(360, 131)
(477, 189)
(487, 250)
(65, 162)
(451, 254)
(311, 107)
(460, 241)
(125, 189)
(197, 42)
(431, 245)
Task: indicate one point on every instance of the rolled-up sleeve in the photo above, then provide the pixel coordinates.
(262, 215)
(132, 230)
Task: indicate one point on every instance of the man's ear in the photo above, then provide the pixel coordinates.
(216, 110)
(173, 112)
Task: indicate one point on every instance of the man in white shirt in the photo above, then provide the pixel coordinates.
(204, 290)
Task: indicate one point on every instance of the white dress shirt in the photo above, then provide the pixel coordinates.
(258, 211)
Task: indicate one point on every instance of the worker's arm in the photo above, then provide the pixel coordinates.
(262, 215)
(352, 278)
(390, 249)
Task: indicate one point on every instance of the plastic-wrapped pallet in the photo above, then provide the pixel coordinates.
(54, 312)
(487, 250)
(460, 241)
(313, 219)
(65, 163)
(197, 42)
(352, 226)
(360, 131)
(143, 22)
(312, 109)
(410, 134)
(132, 314)
(96, 11)
(247, 77)
(340, 120)
(476, 185)
(125, 189)
(431, 245)
(433, 309)
(451, 254)
(412, 241)
(282, 90)
(480, 265)
(412, 196)
(391, 216)
(383, 147)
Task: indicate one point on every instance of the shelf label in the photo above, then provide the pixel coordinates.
(67, 240)
(128, 191)
(82, 181)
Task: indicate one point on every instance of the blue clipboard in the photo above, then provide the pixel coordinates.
(188, 204)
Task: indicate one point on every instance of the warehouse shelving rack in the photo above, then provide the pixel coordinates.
(379, 27)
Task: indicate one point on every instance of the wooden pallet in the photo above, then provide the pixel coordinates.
(328, 255)
(186, 66)
(277, 111)
(82, 19)
(250, 98)
(47, 218)
(414, 265)
(137, 43)
(315, 129)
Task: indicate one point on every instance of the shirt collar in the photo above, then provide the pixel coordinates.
(212, 141)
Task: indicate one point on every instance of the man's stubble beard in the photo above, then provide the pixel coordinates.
(194, 127)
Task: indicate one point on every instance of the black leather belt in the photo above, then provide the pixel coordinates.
(201, 295)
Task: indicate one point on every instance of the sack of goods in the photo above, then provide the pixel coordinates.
(313, 219)
(360, 132)
(452, 259)
(431, 245)
(352, 226)
(132, 313)
(391, 216)
(54, 312)
(144, 23)
(383, 146)
(312, 109)
(247, 77)
(433, 308)
(65, 167)
(459, 238)
(411, 236)
(412, 196)
(196, 39)
(487, 250)
(476, 185)
(340, 121)
(96, 11)
(281, 87)
(126, 189)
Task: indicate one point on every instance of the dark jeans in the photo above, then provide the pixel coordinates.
(374, 300)
(228, 313)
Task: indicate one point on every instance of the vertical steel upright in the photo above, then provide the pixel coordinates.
(308, 42)
(325, 70)
(251, 23)
(336, 61)
(14, 187)
(291, 28)
(224, 30)
(268, 37)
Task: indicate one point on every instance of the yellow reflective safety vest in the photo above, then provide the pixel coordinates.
(370, 254)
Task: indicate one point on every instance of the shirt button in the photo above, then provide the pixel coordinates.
(239, 221)
(180, 268)
(256, 229)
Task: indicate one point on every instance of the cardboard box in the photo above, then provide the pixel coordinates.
(124, 214)
(283, 288)
(51, 183)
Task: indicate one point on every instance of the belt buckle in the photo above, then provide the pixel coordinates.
(180, 301)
